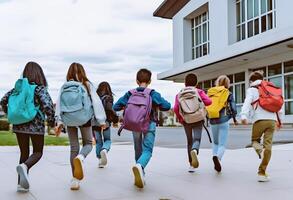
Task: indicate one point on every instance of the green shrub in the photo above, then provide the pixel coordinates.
(4, 125)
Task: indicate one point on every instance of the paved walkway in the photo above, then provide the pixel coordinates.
(167, 176)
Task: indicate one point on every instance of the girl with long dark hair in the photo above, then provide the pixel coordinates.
(27, 104)
(103, 137)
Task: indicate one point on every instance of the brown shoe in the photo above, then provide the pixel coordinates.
(217, 164)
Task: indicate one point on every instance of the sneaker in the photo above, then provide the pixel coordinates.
(100, 164)
(194, 160)
(23, 177)
(78, 168)
(21, 189)
(217, 164)
(263, 178)
(258, 148)
(103, 159)
(74, 184)
(138, 176)
(191, 169)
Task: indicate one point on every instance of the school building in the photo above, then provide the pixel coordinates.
(232, 37)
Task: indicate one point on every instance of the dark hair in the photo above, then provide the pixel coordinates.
(34, 73)
(144, 76)
(77, 73)
(190, 80)
(104, 88)
(257, 75)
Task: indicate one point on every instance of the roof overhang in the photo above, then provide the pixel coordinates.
(169, 8)
(281, 47)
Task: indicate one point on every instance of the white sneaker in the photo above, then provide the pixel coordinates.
(100, 164)
(74, 185)
(263, 178)
(138, 176)
(23, 177)
(21, 189)
(103, 159)
(78, 167)
(191, 169)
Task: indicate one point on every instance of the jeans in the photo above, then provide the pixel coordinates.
(103, 141)
(86, 134)
(193, 134)
(265, 128)
(144, 144)
(220, 136)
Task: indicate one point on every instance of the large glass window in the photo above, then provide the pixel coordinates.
(200, 36)
(254, 17)
(238, 89)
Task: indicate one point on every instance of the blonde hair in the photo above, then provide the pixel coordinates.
(223, 80)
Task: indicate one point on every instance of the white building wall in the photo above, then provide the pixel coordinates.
(222, 33)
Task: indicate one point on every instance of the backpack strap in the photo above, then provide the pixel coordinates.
(146, 90)
(255, 102)
(207, 130)
(279, 120)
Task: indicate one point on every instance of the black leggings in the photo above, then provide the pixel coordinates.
(24, 146)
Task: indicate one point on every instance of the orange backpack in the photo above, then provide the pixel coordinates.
(270, 98)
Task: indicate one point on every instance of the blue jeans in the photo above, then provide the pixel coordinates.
(144, 144)
(103, 141)
(220, 136)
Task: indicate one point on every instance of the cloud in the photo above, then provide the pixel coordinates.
(112, 39)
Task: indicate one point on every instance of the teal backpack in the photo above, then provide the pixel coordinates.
(21, 103)
(75, 104)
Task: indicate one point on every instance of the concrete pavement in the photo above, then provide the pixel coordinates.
(167, 176)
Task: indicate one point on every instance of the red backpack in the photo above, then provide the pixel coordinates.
(270, 98)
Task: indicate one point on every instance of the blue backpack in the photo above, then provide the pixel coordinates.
(75, 104)
(21, 103)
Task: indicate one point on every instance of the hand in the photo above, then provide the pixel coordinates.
(94, 141)
(58, 130)
(103, 126)
(277, 126)
(244, 121)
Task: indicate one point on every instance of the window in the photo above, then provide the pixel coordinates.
(200, 36)
(254, 17)
(238, 89)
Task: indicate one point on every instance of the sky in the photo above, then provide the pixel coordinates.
(112, 39)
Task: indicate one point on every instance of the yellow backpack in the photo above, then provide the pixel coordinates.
(219, 96)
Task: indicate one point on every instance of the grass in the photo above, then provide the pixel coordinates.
(8, 138)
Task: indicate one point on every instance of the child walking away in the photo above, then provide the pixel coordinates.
(222, 109)
(75, 108)
(140, 110)
(262, 104)
(103, 137)
(26, 106)
(190, 110)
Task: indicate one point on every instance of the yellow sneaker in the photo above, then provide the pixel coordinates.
(194, 159)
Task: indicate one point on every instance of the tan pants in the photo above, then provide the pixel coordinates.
(266, 129)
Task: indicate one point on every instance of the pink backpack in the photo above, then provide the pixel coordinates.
(137, 112)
